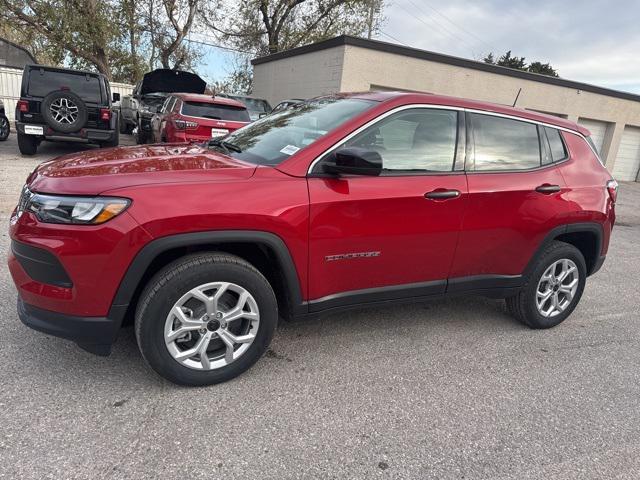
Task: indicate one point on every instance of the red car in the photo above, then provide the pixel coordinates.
(189, 117)
(345, 200)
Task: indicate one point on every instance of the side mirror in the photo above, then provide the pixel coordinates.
(116, 97)
(354, 161)
(262, 114)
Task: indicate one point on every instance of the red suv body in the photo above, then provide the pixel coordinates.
(190, 117)
(339, 201)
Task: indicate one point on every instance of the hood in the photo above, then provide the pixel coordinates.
(171, 81)
(96, 171)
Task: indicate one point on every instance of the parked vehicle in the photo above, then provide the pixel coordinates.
(188, 117)
(347, 200)
(5, 128)
(151, 92)
(62, 105)
(286, 104)
(128, 114)
(257, 107)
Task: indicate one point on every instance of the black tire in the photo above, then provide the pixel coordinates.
(124, 127)
(28, 144)
(171, 283)
(81, 116)
(523, 305)
(141, 136)
(5, 128)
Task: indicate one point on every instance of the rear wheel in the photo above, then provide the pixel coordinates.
(205, 319)
(5, 129)
(27, 144)
(553, 289)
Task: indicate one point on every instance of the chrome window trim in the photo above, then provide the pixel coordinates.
(445, 107)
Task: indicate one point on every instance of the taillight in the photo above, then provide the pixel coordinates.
(105, 114)
(182, 124)
(23, 106)
(612, 188)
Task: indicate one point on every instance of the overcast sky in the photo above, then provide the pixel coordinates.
(592, 41)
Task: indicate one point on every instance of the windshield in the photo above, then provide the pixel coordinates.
(275, 138)
(215, 111)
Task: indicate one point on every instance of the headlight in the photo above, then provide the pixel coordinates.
(75, 210)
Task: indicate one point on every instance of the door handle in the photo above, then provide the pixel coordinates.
(442, 194)
(547, 188)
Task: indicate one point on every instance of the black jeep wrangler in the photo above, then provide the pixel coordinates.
(58, 104)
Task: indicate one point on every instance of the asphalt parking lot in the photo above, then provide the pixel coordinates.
(452, 389)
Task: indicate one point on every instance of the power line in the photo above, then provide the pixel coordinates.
(202, 42)
(393, 38)
(451, 22)
(436, 23)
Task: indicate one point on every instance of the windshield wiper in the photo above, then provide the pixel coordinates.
(226, 146)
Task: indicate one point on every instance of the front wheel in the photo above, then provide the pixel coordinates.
(553, 289)
(205, 319)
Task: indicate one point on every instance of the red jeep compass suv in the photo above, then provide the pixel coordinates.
(187, 117)
(351, 199)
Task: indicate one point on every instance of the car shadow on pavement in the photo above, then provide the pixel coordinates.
(295, 343)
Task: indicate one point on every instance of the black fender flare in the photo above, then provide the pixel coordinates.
(149, 252)
(587, 227)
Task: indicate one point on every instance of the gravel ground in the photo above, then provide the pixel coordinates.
(452, 389)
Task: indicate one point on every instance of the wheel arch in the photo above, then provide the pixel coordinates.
(263, 249)
(586, 237)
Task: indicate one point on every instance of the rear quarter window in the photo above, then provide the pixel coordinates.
(43, 82)
(556, 145)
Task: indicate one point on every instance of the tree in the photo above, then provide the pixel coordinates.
(262, 27)
(83, 28)
(543, 69)
(520, 63)
(119, 38)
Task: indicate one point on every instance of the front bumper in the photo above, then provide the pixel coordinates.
(93, 334)
(84, 135)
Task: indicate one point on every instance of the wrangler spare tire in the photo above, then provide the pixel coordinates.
(64, 111)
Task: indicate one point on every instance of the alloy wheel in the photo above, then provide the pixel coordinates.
(4, 127)
(557, 287)
(211, 326)
(64, 111)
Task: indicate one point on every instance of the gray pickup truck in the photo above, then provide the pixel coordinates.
(150, 93)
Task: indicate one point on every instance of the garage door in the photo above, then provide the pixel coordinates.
(628, 159)
(598, 131)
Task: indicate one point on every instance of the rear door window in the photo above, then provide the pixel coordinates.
(43, 82)
(215, 111)
(504, 144)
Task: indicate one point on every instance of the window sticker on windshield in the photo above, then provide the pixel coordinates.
(289, 150)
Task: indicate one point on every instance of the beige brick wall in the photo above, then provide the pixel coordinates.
(303, 76)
